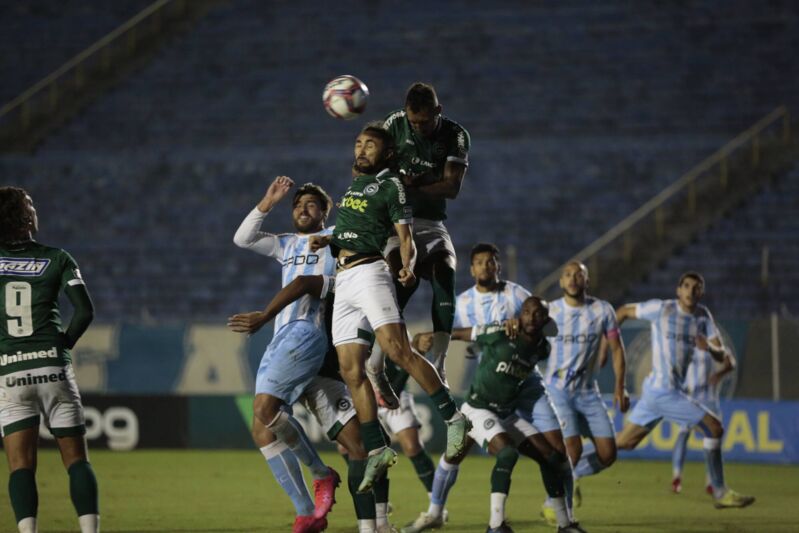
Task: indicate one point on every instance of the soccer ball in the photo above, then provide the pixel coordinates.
(345, 97)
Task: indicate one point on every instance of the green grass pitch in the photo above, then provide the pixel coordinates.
(216, 491)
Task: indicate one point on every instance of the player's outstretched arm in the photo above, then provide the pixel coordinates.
(300, 286)
(249, 234)
(450, 184)
(408, 254)
(83, 315)
(625, 312)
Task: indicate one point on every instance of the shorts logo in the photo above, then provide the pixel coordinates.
(371, 189)
(28, 379)
(23, 266)
(343, 404)
(488, 424)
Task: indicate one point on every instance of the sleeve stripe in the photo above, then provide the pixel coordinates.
(326, 280)
(74, 282)
(404, 221)
(460, 160)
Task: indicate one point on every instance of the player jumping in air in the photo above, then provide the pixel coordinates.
(432, 154)
(38, 381)
(583, 322)
(299, 330)
(679, 327)
(366, 304)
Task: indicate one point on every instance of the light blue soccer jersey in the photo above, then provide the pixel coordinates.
(674, 335)
(697, 378)
(573, 360)
(293, 252)
(475, 308)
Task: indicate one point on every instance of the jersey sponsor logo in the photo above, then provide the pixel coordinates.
(512, 369)
(309, 259)
(422, 162)
(356, 204)
(371, 189)
(580, 338)
(400, 190)
(35, 379)
(348, 235)
(7, 359)
(685, 339)
(23, 266)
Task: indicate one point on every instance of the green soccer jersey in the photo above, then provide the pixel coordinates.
(418, 155)
(504, 366)
(367, 213)
(31, 277)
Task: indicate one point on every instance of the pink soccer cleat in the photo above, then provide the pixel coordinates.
(325, 493)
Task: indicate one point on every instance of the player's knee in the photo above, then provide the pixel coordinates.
(607, 456)
(398, 352)
(264, 409)
(507, 457)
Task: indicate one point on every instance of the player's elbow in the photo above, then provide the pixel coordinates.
(241, 240)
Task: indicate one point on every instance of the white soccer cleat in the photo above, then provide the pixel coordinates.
(423, 522)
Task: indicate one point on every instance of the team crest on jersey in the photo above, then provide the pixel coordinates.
(439, 149)
(23, 266)
(371, 189)
(343, 404)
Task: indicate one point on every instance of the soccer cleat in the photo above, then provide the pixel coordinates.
(574, 527)
(733, 499)
(503, 528)
(309, 524)
(424, 521)
(676, 485)
(324, 491)
(457, 433)
(387, 528)
(549, 515)
(376, 467)
(577, 495)
(384, 393)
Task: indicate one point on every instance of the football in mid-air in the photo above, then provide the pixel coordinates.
(345, 97)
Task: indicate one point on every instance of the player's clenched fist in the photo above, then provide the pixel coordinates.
(316, 242)
(406, 277)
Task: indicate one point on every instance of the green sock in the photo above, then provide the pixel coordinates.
(380, 490)
(22, 490)
(444, 403)
(443, 309)
(553, 473)
(364, 503)
(372, 435)
(425, 469)
(500, 475)
(83, 488)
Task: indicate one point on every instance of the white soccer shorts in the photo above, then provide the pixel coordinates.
(331, 404)
(365, 300)
(49, 392)
(402, 418)
(430, 237)
(487, 424)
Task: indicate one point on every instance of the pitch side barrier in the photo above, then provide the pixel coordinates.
(756, 431)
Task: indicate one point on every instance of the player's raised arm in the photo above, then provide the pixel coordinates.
(249, 234)
(317, 286)
(408, 254)
(625, 312)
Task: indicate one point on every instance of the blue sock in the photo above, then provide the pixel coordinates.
(287, 429)
(678, 455)
(715, 466)
(589, 464)
(443, 480)
(287, 472)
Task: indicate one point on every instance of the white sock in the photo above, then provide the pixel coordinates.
(28, 525)
(497, 509)
(273, 449)
(366, 526)
(381, 513)
(559, 504)
(89, 523)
